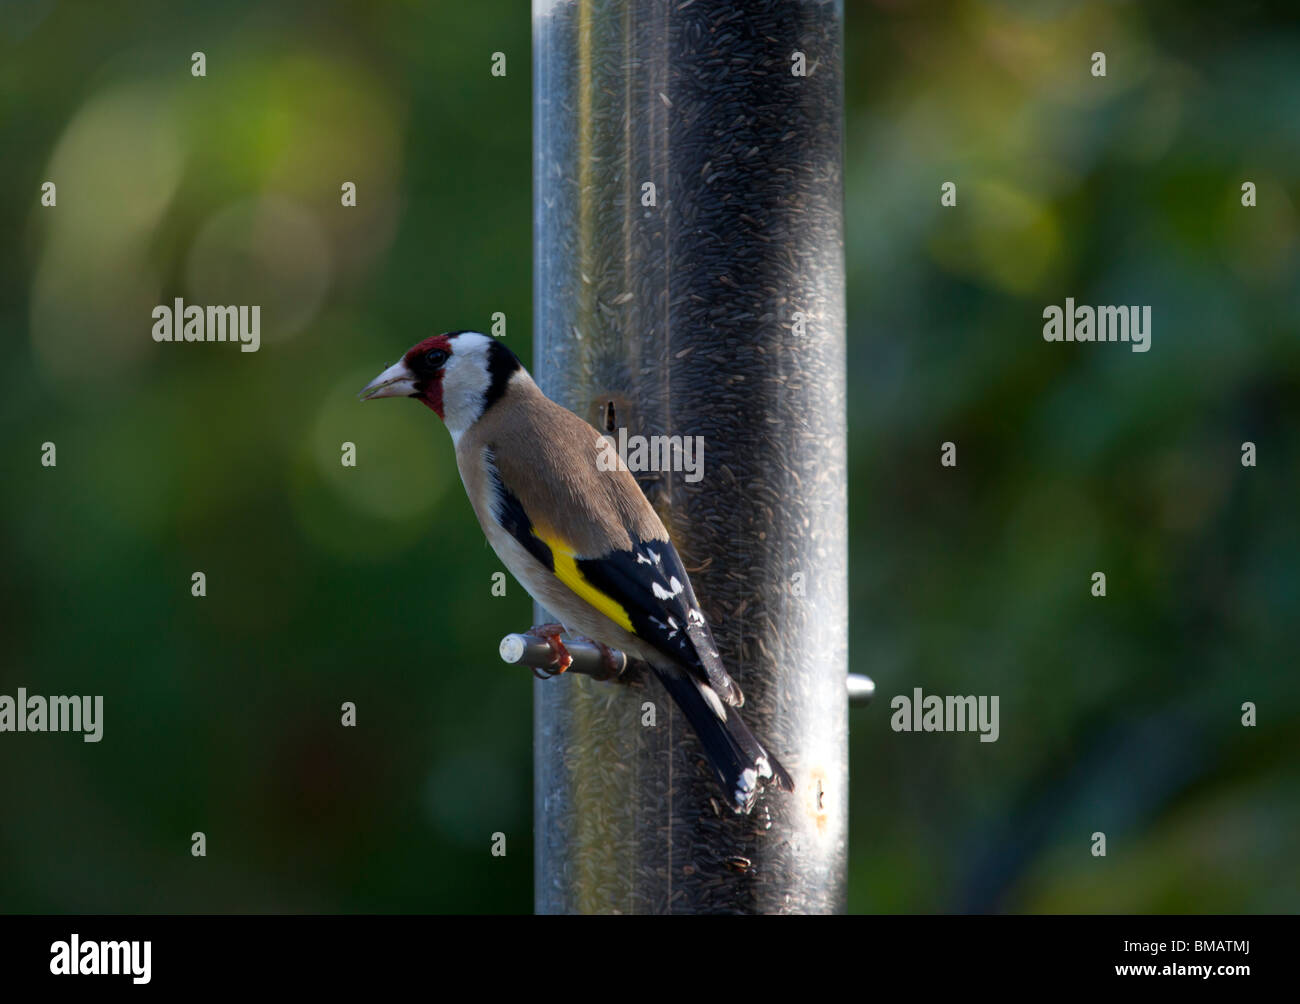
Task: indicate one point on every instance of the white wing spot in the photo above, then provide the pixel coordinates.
(748, 780)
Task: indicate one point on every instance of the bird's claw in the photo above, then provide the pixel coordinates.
(550, 633)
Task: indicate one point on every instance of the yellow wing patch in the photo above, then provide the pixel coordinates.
(566, 570)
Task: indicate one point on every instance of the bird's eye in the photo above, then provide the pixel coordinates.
(434, 358)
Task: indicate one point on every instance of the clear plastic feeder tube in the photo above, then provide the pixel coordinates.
(690, 283)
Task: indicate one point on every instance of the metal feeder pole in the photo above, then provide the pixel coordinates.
(689, 282)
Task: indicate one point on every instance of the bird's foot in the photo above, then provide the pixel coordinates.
(550, 633)
(608, 664)
(581, 655)
(615, 662)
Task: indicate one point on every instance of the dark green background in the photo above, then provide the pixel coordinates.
(373, 585)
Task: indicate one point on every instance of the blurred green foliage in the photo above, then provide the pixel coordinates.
(1120, 715)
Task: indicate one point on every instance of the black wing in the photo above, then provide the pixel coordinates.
(647, 582)
(650, 583)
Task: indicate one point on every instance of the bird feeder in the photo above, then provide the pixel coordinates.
(689, 289)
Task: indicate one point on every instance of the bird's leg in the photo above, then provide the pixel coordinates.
(581, 655)
(550, 633)
(614, 662)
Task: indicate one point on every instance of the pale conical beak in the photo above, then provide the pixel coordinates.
(396, 381)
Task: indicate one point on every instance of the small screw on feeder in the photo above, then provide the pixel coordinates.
(861, 689)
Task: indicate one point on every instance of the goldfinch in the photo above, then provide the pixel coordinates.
(584, 541)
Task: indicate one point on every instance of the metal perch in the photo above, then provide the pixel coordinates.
(590, 658)
(600, 662)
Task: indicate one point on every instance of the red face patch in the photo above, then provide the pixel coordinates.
(426, 360)
(442, 342)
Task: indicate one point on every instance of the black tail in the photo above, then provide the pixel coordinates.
(737, 757)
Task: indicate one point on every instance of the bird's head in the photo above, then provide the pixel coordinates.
(459, 375)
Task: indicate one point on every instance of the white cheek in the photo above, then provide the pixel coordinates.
(464, 382)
